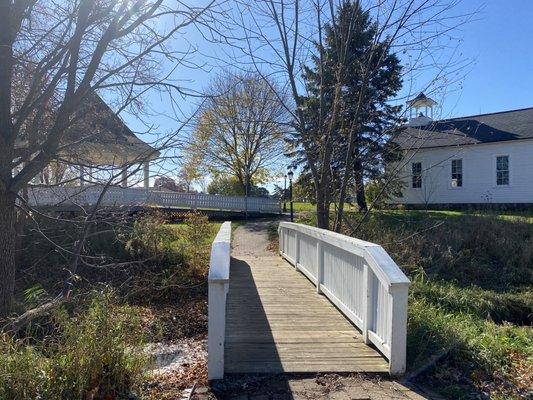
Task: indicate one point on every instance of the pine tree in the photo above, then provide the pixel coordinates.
(369, 75)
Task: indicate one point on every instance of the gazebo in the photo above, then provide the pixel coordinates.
(98, 138)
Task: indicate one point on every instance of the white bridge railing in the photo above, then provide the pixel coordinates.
(359, 278)
(218, 285)
(118, 197)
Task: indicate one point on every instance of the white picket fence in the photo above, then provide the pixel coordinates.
(359, 278)
(118, 197)
(218, 285)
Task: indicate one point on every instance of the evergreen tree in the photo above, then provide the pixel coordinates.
(368, 75)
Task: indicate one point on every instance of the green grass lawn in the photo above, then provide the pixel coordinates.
(300, 206)
(181, 230)
(471, 295)
(509, 215)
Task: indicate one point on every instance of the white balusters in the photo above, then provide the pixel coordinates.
(118, 196)
(358, 277)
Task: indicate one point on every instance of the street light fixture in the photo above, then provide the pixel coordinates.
(290, 174)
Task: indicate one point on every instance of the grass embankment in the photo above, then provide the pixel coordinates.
(471, 297)
(141, 281)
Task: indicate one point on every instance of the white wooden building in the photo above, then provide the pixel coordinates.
(476, 160)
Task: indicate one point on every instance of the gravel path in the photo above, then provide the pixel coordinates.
(251, 240)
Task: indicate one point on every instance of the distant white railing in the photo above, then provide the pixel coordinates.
(118, 196)
(359, 278)
(218, 285)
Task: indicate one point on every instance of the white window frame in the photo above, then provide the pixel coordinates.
(421, 175)
(462, 174)
(495, 171)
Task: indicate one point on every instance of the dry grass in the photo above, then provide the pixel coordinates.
(88, 355)
(163, 286)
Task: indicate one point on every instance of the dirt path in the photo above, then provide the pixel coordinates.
(252, 240)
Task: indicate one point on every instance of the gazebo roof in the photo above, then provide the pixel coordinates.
(98, 136)
(421, 101)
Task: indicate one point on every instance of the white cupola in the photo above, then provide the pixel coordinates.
(416, 116)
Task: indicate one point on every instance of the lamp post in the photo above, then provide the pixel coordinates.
(247, 183)
(290, 174)
(285, 194)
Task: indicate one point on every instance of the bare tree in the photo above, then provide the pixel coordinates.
(240, 128)
(53, 56)
(281, 38)
(191, 171)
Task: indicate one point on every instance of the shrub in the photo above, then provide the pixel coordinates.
(99, 350)
(150, 237)
(25, 374)
(95, 355)
(197, 237)
(375, 195)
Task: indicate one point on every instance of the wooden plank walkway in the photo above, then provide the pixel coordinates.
(276, 322)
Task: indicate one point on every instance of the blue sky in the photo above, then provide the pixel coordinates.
(500, 42)
(497, 43)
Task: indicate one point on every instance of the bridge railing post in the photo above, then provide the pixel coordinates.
(319, 266)
(368, 302)
(218, 285)
(216, 326)
(281, 240)
(297, 245)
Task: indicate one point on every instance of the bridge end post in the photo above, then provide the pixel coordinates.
(281, 240)
(398, 328)
(218, 285)
(216, 329)
(297, 257)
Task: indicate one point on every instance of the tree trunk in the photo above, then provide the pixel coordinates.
(360, 187)
(7, 252)
(339, 215)
(322, 208)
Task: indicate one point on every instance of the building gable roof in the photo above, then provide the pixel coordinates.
(475, 129)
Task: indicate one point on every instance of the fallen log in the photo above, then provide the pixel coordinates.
(16, 324)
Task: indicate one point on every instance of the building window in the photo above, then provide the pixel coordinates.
(502, 170)
(416, 169)
(457, 173)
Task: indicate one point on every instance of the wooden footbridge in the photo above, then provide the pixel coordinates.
(330, 303)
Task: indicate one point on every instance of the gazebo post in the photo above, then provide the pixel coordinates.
(124, 182)
(146, 170)
(82, 173)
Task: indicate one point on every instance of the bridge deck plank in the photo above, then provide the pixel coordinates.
(276, 322)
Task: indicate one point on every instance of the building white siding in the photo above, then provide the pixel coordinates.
(479, 174)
